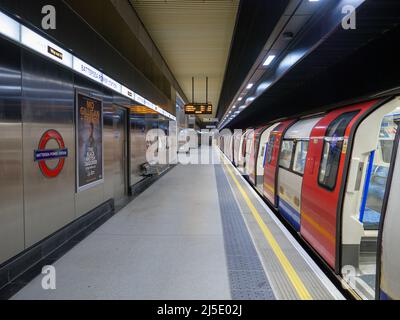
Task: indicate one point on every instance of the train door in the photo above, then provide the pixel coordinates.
(370, 165)
(292, 162)
(236, 146)
(254, 155)
(248, 152)
(324, 181)
(120, 154)
(242, 151)
(388, 262)
(272, 160)
(261, 157)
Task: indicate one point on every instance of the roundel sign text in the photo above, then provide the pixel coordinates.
(42, 154)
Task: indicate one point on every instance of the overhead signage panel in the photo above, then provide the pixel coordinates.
(139, 98)
(198, 108)
(87, 70)
(39, 44)
(127, 92)
(9, 27)
(112, 84)
(30, 39)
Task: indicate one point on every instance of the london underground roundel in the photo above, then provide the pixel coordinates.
(43, 154)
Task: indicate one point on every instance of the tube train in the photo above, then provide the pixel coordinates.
(333, 177)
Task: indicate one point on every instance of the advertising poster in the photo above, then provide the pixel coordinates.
(89, 126)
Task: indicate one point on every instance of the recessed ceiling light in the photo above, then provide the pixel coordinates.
(269, 59)
(249, 86)
(240, 99)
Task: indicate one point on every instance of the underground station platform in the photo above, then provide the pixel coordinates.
(207, 159)
(226, 244)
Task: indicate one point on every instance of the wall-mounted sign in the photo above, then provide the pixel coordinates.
(43, 154)
(112, 84)
(139, 98)
(127, 92)
(198, 108)
(89, 136)
(210, 119)
(36, 42)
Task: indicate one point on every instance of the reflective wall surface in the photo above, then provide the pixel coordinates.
(37, 95)
(11, 180)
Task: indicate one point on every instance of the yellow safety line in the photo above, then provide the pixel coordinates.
(287, 266)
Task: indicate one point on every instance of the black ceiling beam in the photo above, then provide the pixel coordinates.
(348, 65)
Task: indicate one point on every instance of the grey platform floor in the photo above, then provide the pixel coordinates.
(168, 243)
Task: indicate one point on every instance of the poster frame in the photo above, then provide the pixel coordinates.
(100, 181)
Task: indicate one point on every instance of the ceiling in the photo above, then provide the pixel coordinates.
(347, 65)
(194, 37)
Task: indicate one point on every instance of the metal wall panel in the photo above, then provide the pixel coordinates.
(108, 140)
(120, 154)
(11, 181)
(47, 103)
(137, 146)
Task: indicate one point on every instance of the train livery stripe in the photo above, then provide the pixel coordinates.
(318, 227)
(291, 215)
(283, 260)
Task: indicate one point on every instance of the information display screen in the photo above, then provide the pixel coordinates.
(198, 108)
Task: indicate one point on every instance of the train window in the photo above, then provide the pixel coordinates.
(386, 147)
(300, 156)
(270, 148)
(286, 155)
(332, 150)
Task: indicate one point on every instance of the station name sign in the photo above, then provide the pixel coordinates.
(198, 108)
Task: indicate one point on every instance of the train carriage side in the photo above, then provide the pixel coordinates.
(272, 160)
(237, 135)
(370, 164)
(323, 179)
(252, 165)
(249, 150)
(388, 262)
(242, 151)
(292, 162)
(261, 156)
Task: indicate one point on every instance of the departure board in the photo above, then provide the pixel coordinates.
(198, 108)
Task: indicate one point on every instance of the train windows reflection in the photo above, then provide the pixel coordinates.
(300, 156)
(286, 154)
(375, 187)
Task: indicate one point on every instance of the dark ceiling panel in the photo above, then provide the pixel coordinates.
(255, 22)
(349, 64)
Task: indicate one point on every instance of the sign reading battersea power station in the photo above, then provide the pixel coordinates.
(89, 126)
